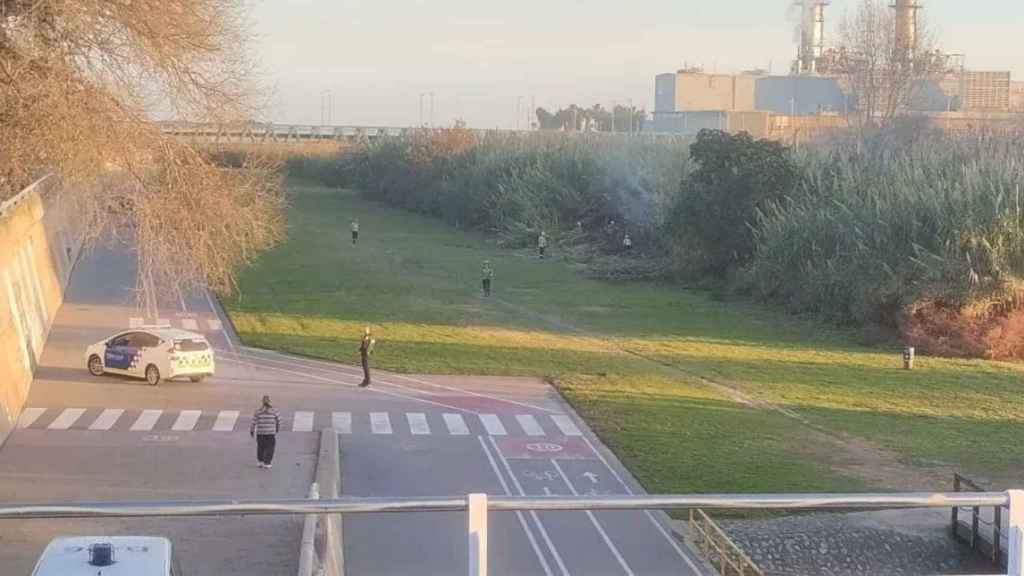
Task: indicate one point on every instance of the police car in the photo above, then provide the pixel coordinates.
(153, 353)
(108, 556)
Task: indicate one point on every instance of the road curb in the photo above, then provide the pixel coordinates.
(330, 543)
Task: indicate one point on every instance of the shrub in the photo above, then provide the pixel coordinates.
(714, 216)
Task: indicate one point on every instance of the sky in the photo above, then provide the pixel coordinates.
(372, 62)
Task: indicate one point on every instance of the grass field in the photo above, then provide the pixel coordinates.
(692, 394)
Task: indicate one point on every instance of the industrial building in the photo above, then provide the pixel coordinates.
(1017, 96)
(813, 95)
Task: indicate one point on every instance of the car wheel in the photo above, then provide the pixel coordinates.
(152, 375)
(196, 379)
(95, 365)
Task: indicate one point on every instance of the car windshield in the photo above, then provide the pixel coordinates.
(188, 345)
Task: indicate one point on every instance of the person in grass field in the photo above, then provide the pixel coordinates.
(542, 243)
(487, 274)
(355, 230)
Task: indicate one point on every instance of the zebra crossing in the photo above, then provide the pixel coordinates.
(192, 324)
(370, 423)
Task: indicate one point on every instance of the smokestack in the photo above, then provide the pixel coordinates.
(812, 33)
(906, 26)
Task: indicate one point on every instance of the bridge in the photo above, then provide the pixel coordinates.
(259, 132)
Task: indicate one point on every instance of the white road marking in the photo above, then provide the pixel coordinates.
(342, 422)
(650, 515)
(566, 425)
(380, 423)
(146, 420)
(374, 389)
(302, 422)
(107, 419)
(493, 424)
(323, 365)
(418, 423)
(533, 513)
(519, 513)
(66, 419)
(530, 425)
(135, 322)
(593, 519)
(226, 420)
(186, 420)
(29, 416)
(215, 325)
(189, 324)
(456, 425)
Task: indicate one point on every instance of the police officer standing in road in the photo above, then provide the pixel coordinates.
(355, 230)
(265, 425)
(365, 349)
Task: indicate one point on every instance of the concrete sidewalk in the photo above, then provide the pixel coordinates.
(165, 466)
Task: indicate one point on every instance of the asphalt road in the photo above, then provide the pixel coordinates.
(115, 438)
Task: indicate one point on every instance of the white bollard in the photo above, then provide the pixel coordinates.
(1015, 550)
(477, 524)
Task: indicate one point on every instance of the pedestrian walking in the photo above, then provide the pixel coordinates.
(627, 242)
(487, 275)
(265, 425)
(355, 230)
(365, 349)
(542, 243)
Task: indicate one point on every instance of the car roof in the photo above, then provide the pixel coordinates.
(133, 556)
(166, 333)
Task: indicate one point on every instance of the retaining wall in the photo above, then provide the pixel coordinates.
(40, 237)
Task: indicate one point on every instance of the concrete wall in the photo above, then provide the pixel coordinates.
(698, 92)
(689, 123)
(39, 242)
(665, 93)
(800, 95)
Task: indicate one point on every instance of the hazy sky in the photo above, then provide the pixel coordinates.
(478, 57)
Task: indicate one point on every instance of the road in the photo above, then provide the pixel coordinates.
(115, 438)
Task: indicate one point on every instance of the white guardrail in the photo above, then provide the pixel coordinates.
(477, 507)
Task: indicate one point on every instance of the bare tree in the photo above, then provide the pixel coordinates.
(882, 73)
(80, 84)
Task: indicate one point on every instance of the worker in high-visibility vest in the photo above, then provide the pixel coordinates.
(355, 230)
(542, 243)
(487, 274)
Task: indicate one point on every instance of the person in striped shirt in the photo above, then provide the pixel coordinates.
(265, 425)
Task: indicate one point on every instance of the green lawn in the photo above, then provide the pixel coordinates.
(635, 359)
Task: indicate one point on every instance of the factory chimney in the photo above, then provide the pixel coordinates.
(812, 34)
(906, 26)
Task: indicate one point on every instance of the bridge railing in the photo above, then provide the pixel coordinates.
(477, 507)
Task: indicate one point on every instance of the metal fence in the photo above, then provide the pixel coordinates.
(477, 507)
(715, 544)
(994, 545)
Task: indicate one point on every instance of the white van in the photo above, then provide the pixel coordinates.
(109, 556)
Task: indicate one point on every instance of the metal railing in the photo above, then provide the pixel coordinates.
(974, 538)
(477, 507)
(715, 544)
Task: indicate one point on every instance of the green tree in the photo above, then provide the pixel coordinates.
(713, 217)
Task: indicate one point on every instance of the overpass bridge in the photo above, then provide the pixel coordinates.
(258, 132)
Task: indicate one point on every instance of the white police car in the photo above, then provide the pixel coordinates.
(108, 556)
(153, 353)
